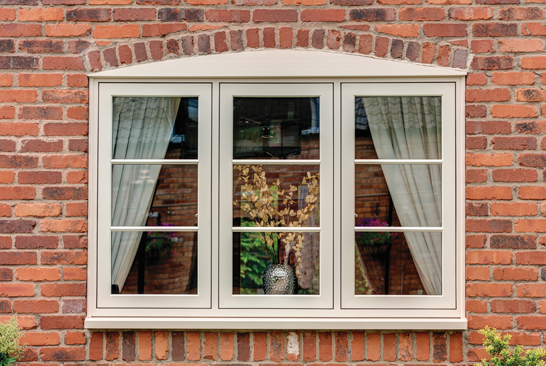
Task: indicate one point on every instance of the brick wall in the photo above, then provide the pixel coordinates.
(47, 46)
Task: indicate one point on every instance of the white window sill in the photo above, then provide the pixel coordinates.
(275, 323)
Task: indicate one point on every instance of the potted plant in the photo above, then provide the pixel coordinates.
(374, 243)
(10, 349)
(500, 353)
(269, 206)
(159, 244)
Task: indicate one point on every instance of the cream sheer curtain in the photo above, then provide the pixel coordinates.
(410, 128)
(142, 128)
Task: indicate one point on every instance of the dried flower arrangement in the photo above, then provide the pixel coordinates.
(269, 206)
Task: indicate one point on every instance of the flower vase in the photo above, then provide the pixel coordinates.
(279, 280)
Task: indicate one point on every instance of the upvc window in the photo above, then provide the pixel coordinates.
(252, 200)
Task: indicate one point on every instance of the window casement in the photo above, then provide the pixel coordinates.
(234, 192)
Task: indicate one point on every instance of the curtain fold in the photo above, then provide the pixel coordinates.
(142, 128)
(410, 128)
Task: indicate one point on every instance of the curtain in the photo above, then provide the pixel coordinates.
(142, 128)
(410, 128)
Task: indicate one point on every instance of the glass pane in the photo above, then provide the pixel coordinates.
(154, 128)
(398, 195)
(398, 127)
(276, 195)
(407, 263)
(154, 195)
(276, 128)
(276, 263)
(154, 262)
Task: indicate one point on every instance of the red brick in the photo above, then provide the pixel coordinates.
(35, 306)
(492, 63)
(514, 111)
(63, 354)
(112, 346)
(65, 129)
(520, 45)
(533, 63)
(64, 161)
(515, 274)
(322, 15)
(531, 257)
(357, 346)
(530, 95)
(482, 46)
(513, 306)
(373, 346)
(399, 30)
(333, 39)
(325, 346)
(515, 175)
(37, 209)
(489, 193)
(341, 347)
(521, 13)
(476, 175)
(116, 31)
(498, 159)
(286, 35)
(422, 342)
(487, 95)
(489, 127)
(38, 274)
(474, 13)
(74, 274)
(445, 30)
(243, 345)
(154, 30)
(489, 257)
(127, 15)
(477, 306)
(494, 321)
(488, 290)
(421, 14)
(309, 346)
(531, 322)
(40, 79)
(39, 14)
(227, 346)
(96, 347)
(63, 289)
(381, 46)
(532, 193)
(194, 346)
(36, 242)
(372, 15)
(16, 289)
(72, 338)
(389, 347)
(7, 112)
(263, 15)
(64, 96)
(477, 274)
(530, 226)
(74, 306)
(40, 339)
(63, 257)
(73, 226)
(63, 63)
(534, 29)
(210, 346)
(532, 160)
(476, 142)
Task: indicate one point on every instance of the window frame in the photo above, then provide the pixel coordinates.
(264, 67)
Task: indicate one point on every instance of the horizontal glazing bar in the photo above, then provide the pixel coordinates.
(268, 229)
(154, 161)
(276, 162)
(156, 228)
(392, 229)
(397, 161)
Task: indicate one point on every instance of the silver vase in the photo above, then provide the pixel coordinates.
(279, 280)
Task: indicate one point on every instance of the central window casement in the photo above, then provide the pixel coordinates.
(275, 198)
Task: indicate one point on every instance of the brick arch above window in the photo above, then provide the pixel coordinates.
(351, 41)
(279, 63)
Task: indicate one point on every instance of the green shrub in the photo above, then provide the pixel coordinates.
(501, 355)
(10, 349)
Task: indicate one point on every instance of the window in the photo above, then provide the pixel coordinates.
(267, 197)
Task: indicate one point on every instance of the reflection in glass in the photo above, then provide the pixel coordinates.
(154, 128)
(154, 195)
(398, 127)
(398, 195)
(276, 195)
(254, 252)
(406, 263)
(162, 263)
(276, 128)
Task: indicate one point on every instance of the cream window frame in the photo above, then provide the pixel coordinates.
(267, 67)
